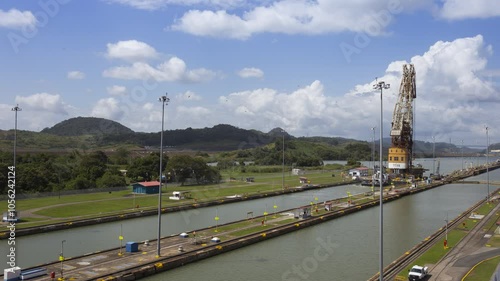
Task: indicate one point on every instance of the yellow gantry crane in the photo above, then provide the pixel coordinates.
(401, 150)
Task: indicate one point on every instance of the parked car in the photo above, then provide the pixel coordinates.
(417, 273)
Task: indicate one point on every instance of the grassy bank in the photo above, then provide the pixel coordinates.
(45, 210)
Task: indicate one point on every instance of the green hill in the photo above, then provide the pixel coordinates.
(80, 126)
(98, 133)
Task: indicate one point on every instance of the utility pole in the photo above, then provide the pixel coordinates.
(487, 165)
(462, 154)
(433, 155)
(380, 86)
(15, 109)
(61, 258)
(373, 149)
(163, 100)
(283, 172)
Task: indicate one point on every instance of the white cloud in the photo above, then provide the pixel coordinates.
(38, 111)
(250, 72)
(455, 99)
(43, 102)
(116, 90)
(464, 9)
(108, 108)
(299, 111)
(194, 116)
(16, 19)
(452, 97)
(174, 69)
(197, 111)
(131, 50)
(298, 17)
(491, 73)
(157, 4)
(76, 75)
(188, 96)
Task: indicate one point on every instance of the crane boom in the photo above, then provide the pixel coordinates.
(401, 150)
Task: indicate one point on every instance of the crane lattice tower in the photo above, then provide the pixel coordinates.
(401, 150)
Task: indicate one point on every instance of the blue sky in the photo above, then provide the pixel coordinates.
(305, 66)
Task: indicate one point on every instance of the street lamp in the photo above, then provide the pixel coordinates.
(283, 172)
(487, 165)
(61, 258)
(373, 149)
(15, 109)
(163, 100)
(446, 231)
(381, 86)
(433, 155)
(462, 155)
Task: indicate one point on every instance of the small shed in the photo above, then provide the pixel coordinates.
(359, 172)
(132, 247)
(302, 213)
(147, 187)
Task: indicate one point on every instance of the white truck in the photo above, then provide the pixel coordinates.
(417, 273)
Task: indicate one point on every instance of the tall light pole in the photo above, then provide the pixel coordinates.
(446, 231)
(283, 172)
(61, 258)
(163, 100)
(433, 155)
(487, 165)
(462, 154)
(477, 155)
(373, 150)
(15, 109)
(381, 86)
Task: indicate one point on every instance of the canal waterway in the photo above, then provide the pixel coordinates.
(446, 164)
(92, 238)
(407, 222)
(352, 251)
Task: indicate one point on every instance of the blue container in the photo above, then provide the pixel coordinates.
(132, 247)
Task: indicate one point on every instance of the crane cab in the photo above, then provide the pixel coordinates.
(398, 159)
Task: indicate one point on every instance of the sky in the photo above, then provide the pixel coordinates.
(302, 65)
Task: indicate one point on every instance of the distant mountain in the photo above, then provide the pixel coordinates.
(221, 137)
(87, 126)
(278, 133)
(96, 133)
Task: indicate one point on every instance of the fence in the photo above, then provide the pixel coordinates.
(65, 192)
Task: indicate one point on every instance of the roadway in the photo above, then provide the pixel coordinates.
(467, 253)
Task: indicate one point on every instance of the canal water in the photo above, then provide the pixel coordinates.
(352, 250)
(446, 164)
(92, 238)
(353, 240)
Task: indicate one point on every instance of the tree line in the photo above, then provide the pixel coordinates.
(43, 172)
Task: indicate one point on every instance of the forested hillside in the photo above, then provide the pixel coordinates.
(87, 126)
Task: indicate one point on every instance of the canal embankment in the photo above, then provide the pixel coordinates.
(72, 223)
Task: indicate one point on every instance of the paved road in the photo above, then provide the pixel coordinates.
(466, 254)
